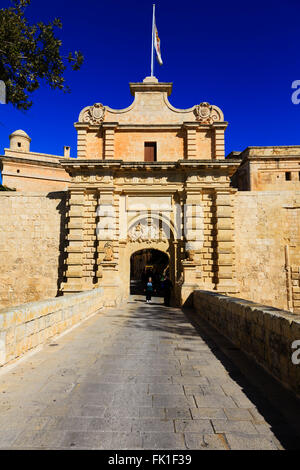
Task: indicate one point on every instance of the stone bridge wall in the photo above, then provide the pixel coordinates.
(264, 333)
(32, 233)
(29, 325)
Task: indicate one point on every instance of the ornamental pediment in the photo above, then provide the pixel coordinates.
(151, 106)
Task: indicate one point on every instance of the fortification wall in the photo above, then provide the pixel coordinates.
(267, 243)
(32, 230)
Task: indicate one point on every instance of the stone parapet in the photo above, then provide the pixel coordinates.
(29, 325)
(264, 333)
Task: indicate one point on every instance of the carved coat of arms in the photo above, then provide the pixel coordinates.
(141, 232)
(95, 114)
(206, 113)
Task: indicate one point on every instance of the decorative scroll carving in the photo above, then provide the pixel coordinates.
(146, 233)
(207, 113)
(93, 115)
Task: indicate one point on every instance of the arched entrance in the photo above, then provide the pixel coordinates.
(149, 236)
(145, 263)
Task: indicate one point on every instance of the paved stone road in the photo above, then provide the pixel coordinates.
(140, 377)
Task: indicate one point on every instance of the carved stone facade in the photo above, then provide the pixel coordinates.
(180, 203)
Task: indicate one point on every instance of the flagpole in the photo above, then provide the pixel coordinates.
(152, 40)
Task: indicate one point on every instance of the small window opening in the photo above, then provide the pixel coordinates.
(150, 152)
(19, 144)
(288, 176)
(18, 171)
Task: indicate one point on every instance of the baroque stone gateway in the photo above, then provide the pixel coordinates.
(154, 177)
(150, 176)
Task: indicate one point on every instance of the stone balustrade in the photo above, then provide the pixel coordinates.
(264, 333)
(29, 325)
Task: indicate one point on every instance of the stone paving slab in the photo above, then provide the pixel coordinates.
(136, 377)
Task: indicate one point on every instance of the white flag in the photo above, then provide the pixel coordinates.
(157, 45)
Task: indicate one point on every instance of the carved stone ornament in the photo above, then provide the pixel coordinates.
(108, 252)
(190, 255)
(206, 113)
(146, 233)
(94, 114)
(104, 178)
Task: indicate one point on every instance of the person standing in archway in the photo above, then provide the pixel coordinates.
(167, 288)
(149, 290)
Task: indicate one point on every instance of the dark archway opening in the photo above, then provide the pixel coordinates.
(144, 264)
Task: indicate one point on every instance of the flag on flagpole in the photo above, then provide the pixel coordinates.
(157, 44)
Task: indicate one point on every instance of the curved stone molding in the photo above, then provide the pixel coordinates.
(207, 113)
(149, 108)
(93, 114)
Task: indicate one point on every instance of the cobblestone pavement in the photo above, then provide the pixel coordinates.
(136, 377)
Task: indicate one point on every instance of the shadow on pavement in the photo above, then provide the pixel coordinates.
(279, 407)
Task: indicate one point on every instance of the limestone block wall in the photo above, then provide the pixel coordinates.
(94, 144)
(264, 333)
(27, 326)
(32, 230)
(26, 177)
(267, 244)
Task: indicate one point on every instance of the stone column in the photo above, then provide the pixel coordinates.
(75, 248)
(109, 140)
(224, 241)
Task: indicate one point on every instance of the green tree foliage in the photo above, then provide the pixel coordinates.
(30, 53)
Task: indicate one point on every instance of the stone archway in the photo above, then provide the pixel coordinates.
(145, 263)
(154, 232)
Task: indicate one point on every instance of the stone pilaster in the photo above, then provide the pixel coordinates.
(90, 241)
(193, 226)
(207, 249)
(75, 237)
(224, 241)
(219, 142)
(108, 248)
(81, 142)
(109, 140)
(295, 274)
(191, 142)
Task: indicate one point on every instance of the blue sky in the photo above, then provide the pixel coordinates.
(242, 57)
